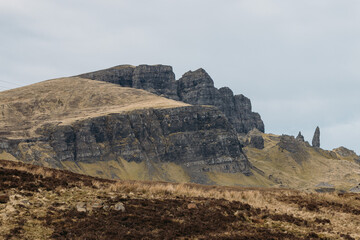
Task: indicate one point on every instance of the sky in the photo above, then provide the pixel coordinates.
(298, 61)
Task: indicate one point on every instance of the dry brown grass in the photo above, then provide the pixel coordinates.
(342, 210)
(318, 166)
(329, 215)
(65, 100)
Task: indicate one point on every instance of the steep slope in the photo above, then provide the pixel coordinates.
(194, 87)
(292, 163)
(105, 130)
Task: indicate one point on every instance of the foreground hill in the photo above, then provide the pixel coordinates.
(42, 203)
(102, 129)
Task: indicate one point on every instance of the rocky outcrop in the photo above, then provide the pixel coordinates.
(348, 154)
(324, 187)
(158, 79)
(296, 148)
(257, 141)
(253, 139)
(200, 139)
(300, 137)
(355, 189)
(197, 87)
(194, 87)
(316, 138)
(122, 75)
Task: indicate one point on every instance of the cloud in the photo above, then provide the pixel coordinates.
(296, 60)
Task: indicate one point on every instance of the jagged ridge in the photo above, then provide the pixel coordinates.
(194, 87)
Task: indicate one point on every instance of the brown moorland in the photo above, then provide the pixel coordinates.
(43, 203)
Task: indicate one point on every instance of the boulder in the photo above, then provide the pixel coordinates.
(119, 207)
(355, 189)
(324, 187)
(81, 207)
(192, 206)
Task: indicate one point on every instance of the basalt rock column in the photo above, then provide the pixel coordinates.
(316, 138)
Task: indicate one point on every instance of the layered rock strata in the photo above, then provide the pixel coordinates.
(194, 87)
(200, 139)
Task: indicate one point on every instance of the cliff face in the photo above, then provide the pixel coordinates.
(105, 130)
(194, 87)
(198, 139)
(198, 88)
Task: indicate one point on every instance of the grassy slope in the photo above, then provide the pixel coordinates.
(320, 166)
(40, 203)
(66, 100)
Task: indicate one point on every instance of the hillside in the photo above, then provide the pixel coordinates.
(291, 163)
(66, 100)
(41, 203)
(105, 130)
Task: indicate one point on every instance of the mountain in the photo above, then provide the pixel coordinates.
(105, 130)
(140, 123)
(194, 87)
(43, 203)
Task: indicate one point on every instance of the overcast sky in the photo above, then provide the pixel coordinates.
(297, 60)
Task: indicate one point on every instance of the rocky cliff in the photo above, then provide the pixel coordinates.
(194, 87)
(167, 140)
(197, 139)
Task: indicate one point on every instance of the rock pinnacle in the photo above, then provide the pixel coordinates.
(316, 138)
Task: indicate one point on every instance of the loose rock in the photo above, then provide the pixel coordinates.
(191, 206)
(81, 207)
(355, 189)
(119, 207)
